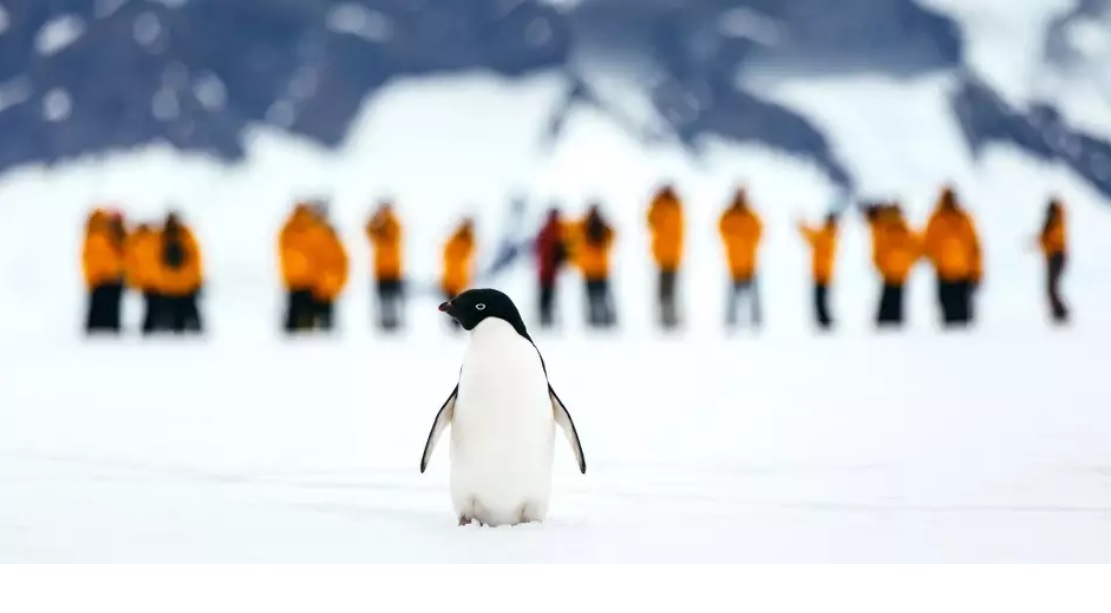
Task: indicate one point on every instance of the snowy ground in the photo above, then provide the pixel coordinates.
(792, 449)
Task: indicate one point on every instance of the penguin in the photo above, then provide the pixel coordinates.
(503, 413)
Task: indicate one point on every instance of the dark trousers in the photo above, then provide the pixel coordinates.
(739, 288)
(955, 298)
(1055, 267)
(891, 305)
(300, 311)
(599, 303)
(390, 303)
(669, 316)
(103, 309)
(182, 314)
(154, 312)
(821, 305)
(323, 314)
(547, 303)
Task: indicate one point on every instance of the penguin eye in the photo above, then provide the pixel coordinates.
(480, 306)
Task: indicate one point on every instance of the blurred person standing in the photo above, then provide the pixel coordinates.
(897, 248)
(550, 249)
(330, 270)
(103, 267)
(181, 276)
(143, 268)
(823, 253)
(741, 232)
(298, 269)
(1053, 243)
(592, 254)
(385, 235)
(458, 262)
(665, 221)
(952, 245)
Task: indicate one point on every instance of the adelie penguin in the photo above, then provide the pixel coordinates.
(503, 414)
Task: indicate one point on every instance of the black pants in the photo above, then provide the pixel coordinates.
(669, 316)
(547, 304)
(955, 298)
(154, 313)
(182, 314)
(739, 288)
(390, 303)
(821, 305)
(300, 311)
(1055, 267)
(323, 314)
(599, 303)
(891, 305)
(103, 310)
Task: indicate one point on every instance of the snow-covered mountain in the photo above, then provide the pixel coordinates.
(84, 77)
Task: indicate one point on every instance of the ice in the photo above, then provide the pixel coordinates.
(782, 445)
(59, 33)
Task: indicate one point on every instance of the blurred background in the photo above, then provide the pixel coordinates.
(232, 112)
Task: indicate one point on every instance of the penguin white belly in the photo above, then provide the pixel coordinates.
(502, 433)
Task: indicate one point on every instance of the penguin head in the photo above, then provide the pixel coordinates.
(474, 306)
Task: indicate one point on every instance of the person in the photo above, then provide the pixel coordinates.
(295, 252)
(385, 234)
(458, 262)
(143, 266)
(741, 231)
(181, 276)
(897, 250)
(952, 246)
(102, 259)
(823, 252)
(593, 258)
(665, 222)
(1053, 244)
(550, 249)
(330, 269)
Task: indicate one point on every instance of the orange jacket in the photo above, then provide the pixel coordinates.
(741, 231)
(143, 259)
(102, 257)
(330, 263)
(591, 258)
(458, 255)
(1054, 240)
(295, 250)
(384, 232)
(952, 245)
(665, 220)
(823, 250)
(187, 278)
(897, 251)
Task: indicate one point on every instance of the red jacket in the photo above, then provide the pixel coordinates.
(550, 251)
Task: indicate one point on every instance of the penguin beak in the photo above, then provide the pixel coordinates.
(445, 307)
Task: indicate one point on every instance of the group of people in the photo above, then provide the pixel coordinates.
(160, 261)
(163, 263)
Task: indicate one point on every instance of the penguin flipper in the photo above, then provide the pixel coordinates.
(563, 418)
(443, 420)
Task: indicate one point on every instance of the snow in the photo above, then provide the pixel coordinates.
(749, 24)
(5, 19)
(15, 91)
(360, 21)
(56, 105)
(59, 33)
(146, 29)
(164, 105)
(777, 446)
(210, 91)
(106, 8)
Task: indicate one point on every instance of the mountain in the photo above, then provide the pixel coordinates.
(82, 77)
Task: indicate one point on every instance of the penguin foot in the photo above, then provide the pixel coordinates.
(464, 521)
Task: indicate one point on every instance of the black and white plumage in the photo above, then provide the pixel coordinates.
(503, 413)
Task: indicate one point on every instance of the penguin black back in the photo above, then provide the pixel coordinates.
(474, 306)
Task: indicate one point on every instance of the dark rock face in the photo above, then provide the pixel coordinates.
(88, 76)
